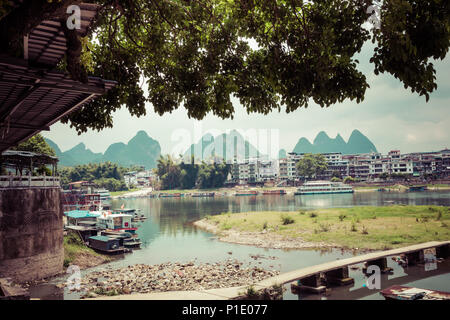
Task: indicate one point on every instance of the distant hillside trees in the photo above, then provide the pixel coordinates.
(106, 175)
(190, 175)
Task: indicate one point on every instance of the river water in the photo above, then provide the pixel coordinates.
(169, 236)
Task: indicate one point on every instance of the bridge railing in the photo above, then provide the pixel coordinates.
(13, 181)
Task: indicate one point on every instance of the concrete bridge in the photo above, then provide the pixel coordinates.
(337, 271)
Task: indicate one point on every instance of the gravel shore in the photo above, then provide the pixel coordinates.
(142, 278)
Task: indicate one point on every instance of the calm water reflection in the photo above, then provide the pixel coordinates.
(168, 233)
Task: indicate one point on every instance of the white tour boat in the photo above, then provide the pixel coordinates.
(323, 187)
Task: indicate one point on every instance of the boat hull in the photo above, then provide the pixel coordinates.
(321, 192)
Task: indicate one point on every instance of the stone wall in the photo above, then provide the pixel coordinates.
(31, 233)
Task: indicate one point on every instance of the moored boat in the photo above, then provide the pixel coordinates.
(170, 195)
(116, 221)
(132, 243)
(323, 187)
(106, 244)
(203, 194)
(417, 188)
(246, 193)
(411, 293)
(274, 192)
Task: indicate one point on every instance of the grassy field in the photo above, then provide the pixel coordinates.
(76, 252)
(356, 227)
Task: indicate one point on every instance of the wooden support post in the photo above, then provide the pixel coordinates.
(339, 277)
(443, 251)
(415, 257)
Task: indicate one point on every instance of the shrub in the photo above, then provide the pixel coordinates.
(324, 227)
(342, 217)
(286, 219)
(301, 212)
(313, 215)
(444, 225)
(226, 226)
(349, 180)
(439, 215)
(67, 262)
(251, 293)
(353, 228)
(265, 225)
(364, 230)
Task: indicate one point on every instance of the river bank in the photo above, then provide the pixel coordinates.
(145, 192)
(371, 228)
(77, 253)
(141, 278)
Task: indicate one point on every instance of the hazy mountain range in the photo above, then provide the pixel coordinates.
(222, 146)
(145, 151)
(357, 143)
(140, 150)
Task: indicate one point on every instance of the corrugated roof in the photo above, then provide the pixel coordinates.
(32, 95)
(46, 44)
(78, 214)
(32, 99)
(101, 238)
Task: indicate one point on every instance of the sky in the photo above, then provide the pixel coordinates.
(391, 116)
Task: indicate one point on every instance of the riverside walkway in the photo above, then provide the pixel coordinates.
(336, 268)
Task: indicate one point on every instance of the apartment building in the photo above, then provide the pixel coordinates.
(361, 166)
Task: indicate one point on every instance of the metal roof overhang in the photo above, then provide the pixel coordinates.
(32, 99)
(33, 95)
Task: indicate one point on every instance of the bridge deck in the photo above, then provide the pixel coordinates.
(332, 265)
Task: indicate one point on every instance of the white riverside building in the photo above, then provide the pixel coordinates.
(365, 167)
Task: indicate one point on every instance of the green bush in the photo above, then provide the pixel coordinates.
(342, 217)
(324, 227)
(353, 228)
(265, 225)
(67, 262)
(313, 215)
(439, 215)
(287, 219)
(226, 226)
(364, 230)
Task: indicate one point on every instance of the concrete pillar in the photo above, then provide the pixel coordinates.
(381, 263)
(311, 281)
(443, 251)
(31, 233)
(311, 284)
(415, 257)
(339, 276)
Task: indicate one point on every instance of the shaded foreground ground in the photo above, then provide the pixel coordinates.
(356, 228)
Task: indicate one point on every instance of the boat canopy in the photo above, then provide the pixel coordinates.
(101, 238)
(79, 214)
